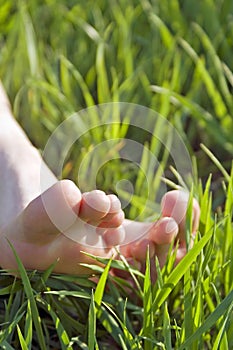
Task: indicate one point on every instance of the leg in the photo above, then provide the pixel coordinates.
(20, 165)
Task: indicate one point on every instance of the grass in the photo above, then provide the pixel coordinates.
(175, 57)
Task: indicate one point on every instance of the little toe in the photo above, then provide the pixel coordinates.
(114, 236)
(139, 250)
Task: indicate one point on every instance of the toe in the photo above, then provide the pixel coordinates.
(138, 250)
(113, 221)
(52, 212)
(101, 210)
(174, 204)
(163, 234)
(161, 251)
(115, 204)
(115, 215)
(159, 238)
(114, 236)
(164, 231)
(94, 207)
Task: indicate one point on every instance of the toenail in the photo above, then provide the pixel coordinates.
(97, 201)
(99, 192)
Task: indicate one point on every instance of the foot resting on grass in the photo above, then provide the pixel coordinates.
(61, 223)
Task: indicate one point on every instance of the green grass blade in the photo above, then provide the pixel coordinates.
(7, 290)
(29, 293)
(6, 346)
(216, 162)
(216, 99)
(228, 244)
(198, 113)
(80, 80)
(129, 338)
(216, 61)
(167, 328)
(164, 31)
(221, 339)
(28, 326)
(76, 294)
(116, 264)
(8, 331)
(81, 344)
(189, 220)
(225, 306)
(92, 324)
(44, 277)
(188, 319)
(102, 78)
(30, 39)
(62, 334)
(148, 321)
(180, 269)
(99, 292)
(23, 342)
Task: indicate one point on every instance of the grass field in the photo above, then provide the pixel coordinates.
(174, 57)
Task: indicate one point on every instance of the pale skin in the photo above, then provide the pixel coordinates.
(24, 220)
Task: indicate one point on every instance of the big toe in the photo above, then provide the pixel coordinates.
(174, 204)
(49, 214)
(158, 239)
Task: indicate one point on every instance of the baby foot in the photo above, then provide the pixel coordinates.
(94, 219)
(61, 223)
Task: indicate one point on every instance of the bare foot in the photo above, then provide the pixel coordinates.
(39, 242)
(61, 222)
(99, 226)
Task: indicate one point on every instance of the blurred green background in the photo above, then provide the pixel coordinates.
(58, 57)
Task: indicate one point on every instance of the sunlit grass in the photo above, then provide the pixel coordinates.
(60, 57)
